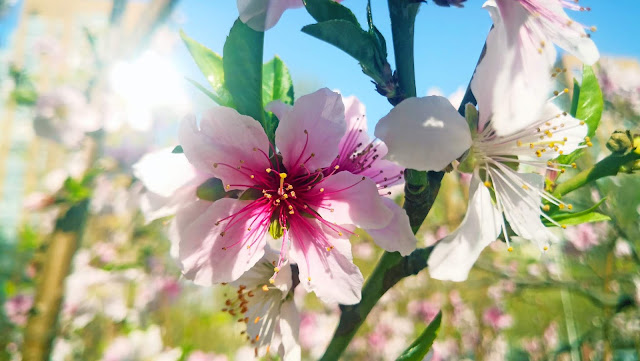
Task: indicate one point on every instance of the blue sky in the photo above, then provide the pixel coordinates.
(448, 42)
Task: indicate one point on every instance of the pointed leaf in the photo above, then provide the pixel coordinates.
(242, 63)
(575, 218)
(587, 105)
(323, 10)
(276, 85)
(349, 38)
(210, 65)
(421, 346)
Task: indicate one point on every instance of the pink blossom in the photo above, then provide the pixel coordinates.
(497, 319)
(17, 308)
(295, 196)
(551, 336)
(583, 236)
(424, 310)
(64, 116)
(262, 15)
(201, 356)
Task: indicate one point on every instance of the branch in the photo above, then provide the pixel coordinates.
(607, 167)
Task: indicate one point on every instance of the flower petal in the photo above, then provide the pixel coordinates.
(330, 274)
(351, 199)
(228, 145)
(262, 15)
(454, 255)
(289, 328)
(513, 80)
(310, 133)
(518, 194)
(197, 242)
(163, 172)
(397, 235)
(424, 133)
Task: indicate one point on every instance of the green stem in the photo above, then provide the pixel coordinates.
(403, 15)
(391, 268)
(607, 167)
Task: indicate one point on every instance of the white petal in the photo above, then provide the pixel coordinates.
(517, 193)
(513, 79)
(424, 133)
(163, 172)
(289, 331)
(453, 257)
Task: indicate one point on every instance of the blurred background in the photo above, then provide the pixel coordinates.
(121, 65)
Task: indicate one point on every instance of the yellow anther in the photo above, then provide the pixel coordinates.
(570, 206)
(227, 186)
(265, 288)
(564, 226)
(561, 205)
(252, 176)
(309, 279)
(546, 208)
(215, 165)
(321, 189)
(574, 165)
(587, 139)
(555, 92)
(336, 167)
(546, 248)
(510, 249)
(340, 234)
(550, 164)
(525, 187)
(283, 175)
(268, 170)
(276, 269)
(562, 170)
(566, 90)
(272, 281)
(581, 122)
(519, 143)
(593, 29)
(531, 145)
(589, 144)
(256, 320)
(487, 184)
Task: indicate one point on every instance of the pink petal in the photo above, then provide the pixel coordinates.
(197, 242)
(385, 173)
(397, 235)
(352, 199)
(311, 131)
(225, 141)
(330, 274)
(262, 15)
(513, 79)
(354, 115)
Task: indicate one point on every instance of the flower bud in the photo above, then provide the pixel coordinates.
(620, 142)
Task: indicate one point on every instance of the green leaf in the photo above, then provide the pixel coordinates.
(210, 94)
(571, 219)
(419, 348)
(211, 66)
(242, 63)
(178, 149)
(211, 190)
(587, 105)
(349, 38)
(276, 85)
(324, 10)
(276, 82)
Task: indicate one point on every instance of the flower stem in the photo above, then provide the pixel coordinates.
(391, 268)
(609, 166)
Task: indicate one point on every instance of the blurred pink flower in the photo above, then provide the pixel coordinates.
(17, 308)
(64, 116)
(550, 336)
(582, 236)
(262, 15)
(497, 319)
(424, 310)
(201, 356)
(140, 345)
(622, 249)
